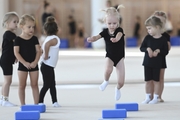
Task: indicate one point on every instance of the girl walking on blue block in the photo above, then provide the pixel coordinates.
(115, 54)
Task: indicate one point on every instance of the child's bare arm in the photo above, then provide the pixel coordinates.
(117, 38)
(50, 43)
(93, 38)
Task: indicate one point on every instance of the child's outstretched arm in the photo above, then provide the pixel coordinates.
(117, 38)
(93, 38)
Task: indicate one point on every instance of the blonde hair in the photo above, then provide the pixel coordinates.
(154, 21)
(160, 14)
(111, 11)
(25, 18)
(7, 17)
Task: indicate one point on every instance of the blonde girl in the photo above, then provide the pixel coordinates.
(7, 59)
(27, 51)
(155, 47)
(115, 54)
(163, 17)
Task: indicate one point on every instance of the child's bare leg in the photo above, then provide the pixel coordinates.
(6, 85)
(120, 70)
(107, 74)
(5, 91)
(34, 85)
(22, 85)
(161, 84)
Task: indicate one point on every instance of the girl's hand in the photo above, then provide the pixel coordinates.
(33, 65)
(156, 52)
(46, 57)
(16, 60)
(113, 40)
(27, 65)
(90, 39)
(150, 52)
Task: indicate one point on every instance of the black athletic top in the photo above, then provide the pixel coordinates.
(44, 16)
(154, 43)
(27, 48)
(8, 48)
(116, 48)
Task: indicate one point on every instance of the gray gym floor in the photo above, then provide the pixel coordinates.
(78, 75)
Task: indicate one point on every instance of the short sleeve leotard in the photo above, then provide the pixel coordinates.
(7, 58)
(27, 50)
(114, 51)
(7, 48)
(167, 36)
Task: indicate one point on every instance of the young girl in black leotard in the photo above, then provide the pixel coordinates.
(114, 40)
(7, 59)
(27, 51)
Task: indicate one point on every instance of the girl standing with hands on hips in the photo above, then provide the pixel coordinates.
(115, 53)
(49, 59)
(7, 59)
(27, 51)
(155, 47)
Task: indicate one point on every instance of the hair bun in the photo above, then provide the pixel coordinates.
(50, 19)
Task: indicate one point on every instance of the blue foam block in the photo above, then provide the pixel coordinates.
(40, 108)
(127, 106)
(175, 41)
(131, 42)
(116, 113)
(64, 43)
(112, 119)
(27, 115)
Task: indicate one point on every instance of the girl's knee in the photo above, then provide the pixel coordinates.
(120, 83)
(108, 71)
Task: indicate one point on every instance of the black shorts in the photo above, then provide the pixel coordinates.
(115, 59)
(151, 73)
(7, 68)
(21, 67)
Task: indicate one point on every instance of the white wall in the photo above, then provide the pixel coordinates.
(3, 9)
(96, 6)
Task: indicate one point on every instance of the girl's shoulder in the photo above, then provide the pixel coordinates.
(52, 37)
(147, 37)
(9, 33)
(165, 34)
(119, 29)
(34, 37)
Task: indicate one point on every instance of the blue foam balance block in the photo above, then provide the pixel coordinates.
(112, 119)
(131, 42)
(64, 43)
(40, 108)
(115, 113)
(27, 115)
(127, 106)
(175, 41)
